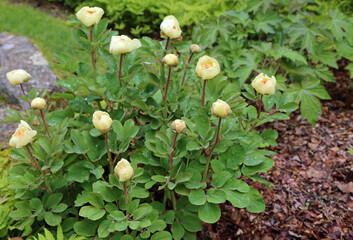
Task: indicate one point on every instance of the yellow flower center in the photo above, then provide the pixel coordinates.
(174, 27)
(20, 133)
(207, 66)
(91, 11)
(264, 81)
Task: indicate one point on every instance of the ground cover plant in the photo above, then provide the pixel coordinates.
(298, 42)
(147, 148)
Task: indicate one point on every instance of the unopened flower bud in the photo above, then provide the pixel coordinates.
(124, 170)
(38, 103)
(178, 125)
(220, 109)
(18, 76)
(102, 121)
(22, 136)
(89, 16)
(207, 68)
(264, 84)
(171, 59)
(195, 48)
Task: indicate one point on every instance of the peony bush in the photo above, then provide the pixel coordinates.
(153, 139)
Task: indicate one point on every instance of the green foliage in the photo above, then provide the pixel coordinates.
(179, 180)
(297, 43)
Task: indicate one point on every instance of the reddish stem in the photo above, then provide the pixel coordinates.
(126, 193)
(120, 65)
(259, 106)
(203, 93)
(166, 47)
(108, 151)
(166, 87)
(45, 124)
(23, 91)
(182, 81)
(171, 154)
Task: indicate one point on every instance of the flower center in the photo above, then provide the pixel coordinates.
(20, 133)
(174, 27)
(91, 11)
(207, 66)
(264, 81)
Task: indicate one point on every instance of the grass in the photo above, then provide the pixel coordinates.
(50, 34)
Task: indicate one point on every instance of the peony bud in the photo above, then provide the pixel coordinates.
(22, 136)
(89, 16)
(220, 109)
(195, 48)
(16, 77)
(102, 121)
(171, 59)
(124, 170)
(123, 44)
(207, 68)
(38, 103)
(178, 125)
(170, 27)
(264, 85)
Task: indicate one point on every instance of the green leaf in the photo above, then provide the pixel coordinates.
(220, 178)
(256, 201)
(197, 197)
(216, 196)
(177, 231)
(202, 125)
(59, 208)
(191, 223)
(238, 199)
(52, 219)
(236, 184)
(157, 225)
(233, 157)
(310, 108)
(161, 236)
(85, 228)
(142, 211)
(54, 200)
(108, 58)
(209, 213)
(103, 229)
(92, 213)
(254, 158)
(95, 199)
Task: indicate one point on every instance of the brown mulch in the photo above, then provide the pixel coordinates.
(313, 176)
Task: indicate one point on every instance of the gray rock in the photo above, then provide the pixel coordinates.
(6, 129)
(17, 52)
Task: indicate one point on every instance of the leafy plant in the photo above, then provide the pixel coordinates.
(65, 176)
(296, 42)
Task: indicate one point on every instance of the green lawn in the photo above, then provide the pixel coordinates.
(50, 34)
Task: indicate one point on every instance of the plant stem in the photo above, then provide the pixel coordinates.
(109, 153)
(120, 66)
(126, 193)
(23, 91)
(259, 105)
(44, 122)
(210, 153)
(182, 81)
(203, 93)
(171, 155)
(253, 126)
(166, 46)
(40, 169)
(166, 92)
(93, 51)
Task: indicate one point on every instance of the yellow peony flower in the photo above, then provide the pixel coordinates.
(124, 170)
(195, 48)
(170, 27)
(22, 136)
(220, 109)
(178, 125)
(18, 76)
(89, 16)
(264, 84)
(38, 103)
(207, 68)
(102, 121)
(171, 59)
(123, 44)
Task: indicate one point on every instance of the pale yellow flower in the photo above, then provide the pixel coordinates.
(38, 103)
(220, 109)
(123, 44)
(171, 59)
(170, 27)
(207, 68)
(102, 121)
(18, 76)
(89, 16)
(178, 125)
(264, 84)
(124, 170)
(22, 136)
